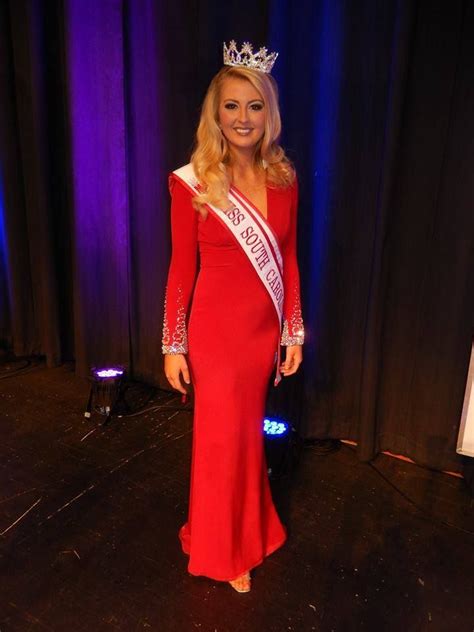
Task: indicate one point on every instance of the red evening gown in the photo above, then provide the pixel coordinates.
(230, 339)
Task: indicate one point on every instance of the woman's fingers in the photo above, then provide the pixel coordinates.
(175, 383)
(288, 366)
(175, 365)
(185, 372)
(293, 359)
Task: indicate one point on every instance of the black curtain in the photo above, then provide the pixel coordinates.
(99, 100)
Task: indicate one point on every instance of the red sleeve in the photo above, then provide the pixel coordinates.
(293, 328)
(182, 270)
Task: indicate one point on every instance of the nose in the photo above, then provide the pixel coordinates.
(243, 114)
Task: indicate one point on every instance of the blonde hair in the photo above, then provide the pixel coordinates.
(211, 152)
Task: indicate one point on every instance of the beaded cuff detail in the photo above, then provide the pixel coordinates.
(293, 328)
(296, 339)
(178, 341)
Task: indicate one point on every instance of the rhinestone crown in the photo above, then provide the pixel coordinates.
(246, 57)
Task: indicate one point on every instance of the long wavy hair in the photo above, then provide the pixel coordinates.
(211, 153)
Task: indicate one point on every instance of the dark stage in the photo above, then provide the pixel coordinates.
(382, 546)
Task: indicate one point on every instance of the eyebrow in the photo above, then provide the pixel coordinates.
(251, 101)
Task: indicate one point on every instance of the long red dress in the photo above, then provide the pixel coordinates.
(230, 342)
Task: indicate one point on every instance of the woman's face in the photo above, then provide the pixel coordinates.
(241, 114)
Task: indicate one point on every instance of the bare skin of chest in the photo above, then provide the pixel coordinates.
(256, 192)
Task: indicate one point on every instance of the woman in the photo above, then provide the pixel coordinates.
(236, 202)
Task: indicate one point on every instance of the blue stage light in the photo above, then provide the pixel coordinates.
(275, 427)
(280, 441)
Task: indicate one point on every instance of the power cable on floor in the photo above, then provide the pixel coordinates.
(28, 366)
(423, 511)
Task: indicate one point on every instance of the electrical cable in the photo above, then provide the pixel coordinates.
(423, 511)
(28, 367)
(322, 446)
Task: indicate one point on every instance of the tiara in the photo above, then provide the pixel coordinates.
(246, 57)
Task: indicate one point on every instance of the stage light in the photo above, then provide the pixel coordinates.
(105, 390)
(101, 373)
(280, 440)
(274, 427)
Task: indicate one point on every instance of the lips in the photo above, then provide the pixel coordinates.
(243, 131)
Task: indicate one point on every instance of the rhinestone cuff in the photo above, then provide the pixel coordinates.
(173, 349)
(296, 339)
(293, 327)
(178, 341)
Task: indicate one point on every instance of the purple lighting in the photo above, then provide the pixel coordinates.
(103, 373)
(94, 39)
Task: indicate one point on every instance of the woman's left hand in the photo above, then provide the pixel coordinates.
(293, 358)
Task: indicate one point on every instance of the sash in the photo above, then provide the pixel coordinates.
(255, 237)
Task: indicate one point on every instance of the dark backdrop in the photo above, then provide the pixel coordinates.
(100, 99)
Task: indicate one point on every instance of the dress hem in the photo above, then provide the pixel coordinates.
(271, 550)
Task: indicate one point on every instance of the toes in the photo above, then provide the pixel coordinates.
(242, 582)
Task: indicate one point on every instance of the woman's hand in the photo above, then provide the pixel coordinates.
(293, 358)
(174, 365)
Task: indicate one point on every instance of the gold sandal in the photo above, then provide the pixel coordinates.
(242, 583)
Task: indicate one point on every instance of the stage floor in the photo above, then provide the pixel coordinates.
(90, 523)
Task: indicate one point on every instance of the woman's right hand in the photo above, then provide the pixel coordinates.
(175, 364)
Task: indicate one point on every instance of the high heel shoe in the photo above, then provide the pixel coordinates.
(242, 583)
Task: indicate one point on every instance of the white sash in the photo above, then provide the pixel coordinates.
(255, 237)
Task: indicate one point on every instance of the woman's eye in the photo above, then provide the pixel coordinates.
(255, 106)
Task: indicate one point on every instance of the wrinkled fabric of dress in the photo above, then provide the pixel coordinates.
(226, 324)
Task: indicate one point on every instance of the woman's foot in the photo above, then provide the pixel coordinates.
(242, 583)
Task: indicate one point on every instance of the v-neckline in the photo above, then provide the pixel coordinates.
(252, 203)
